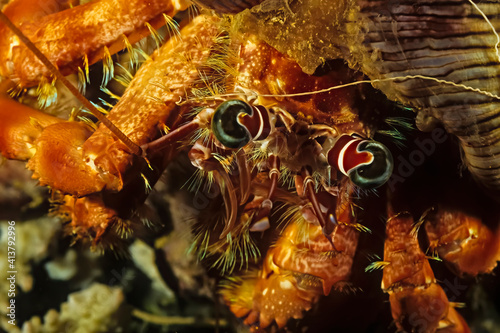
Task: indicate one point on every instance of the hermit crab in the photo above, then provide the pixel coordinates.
(296, 141)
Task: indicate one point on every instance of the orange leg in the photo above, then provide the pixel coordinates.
(138, 114)
(462, 240)
(67, 36)
(418, 303)
(69, 158)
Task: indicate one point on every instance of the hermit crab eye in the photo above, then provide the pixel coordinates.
(367, 163)
(378, 171)
(226, 124)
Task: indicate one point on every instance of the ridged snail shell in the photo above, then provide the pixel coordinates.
(449, 41)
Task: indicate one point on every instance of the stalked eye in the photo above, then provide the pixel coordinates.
(235, 123)
(377, 172)
(226, 125)
(367, 163)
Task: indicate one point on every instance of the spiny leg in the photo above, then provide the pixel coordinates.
(417, 301)
(260, 220)
(328, 226)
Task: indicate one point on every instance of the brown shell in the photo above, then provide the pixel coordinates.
(447, 41)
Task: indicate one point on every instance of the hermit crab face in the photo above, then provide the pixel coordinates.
(367, 163)
(235, 123)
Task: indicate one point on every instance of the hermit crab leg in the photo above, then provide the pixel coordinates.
(86, 31)
(103, 158)
(261, 221)
(410, 282)
(20, 127)
(462, 240)
(201, 156)
(329, 226)
(244, 175)
(40, 56)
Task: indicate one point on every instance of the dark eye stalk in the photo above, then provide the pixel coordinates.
(367, 163)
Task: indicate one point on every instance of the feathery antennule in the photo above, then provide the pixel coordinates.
(193, 11)
(376, 265)
(132, 53)
(359, 227)
(317, 180)
(434, 256)
(105, 103)
(225, 161)
(292, 213)
(87, 121)
(398, 127)
(110, 93)
(200, 179)
(82, 83)
(147, 185)
(239, 248)
(286, 177)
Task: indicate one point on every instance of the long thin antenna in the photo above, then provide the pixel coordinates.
(135, 148)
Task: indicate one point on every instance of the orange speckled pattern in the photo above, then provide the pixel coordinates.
(309, 252)
(150, 100)
(409, 265)
(67, 36)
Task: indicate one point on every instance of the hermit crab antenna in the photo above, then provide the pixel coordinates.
(135, 148)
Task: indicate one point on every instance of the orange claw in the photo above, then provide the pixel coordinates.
(52, 146)
(418, 303)
(67, 36)
(462, 240)
(70, 158)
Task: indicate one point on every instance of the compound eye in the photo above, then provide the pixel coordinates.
(378, 171)
(226, 125)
